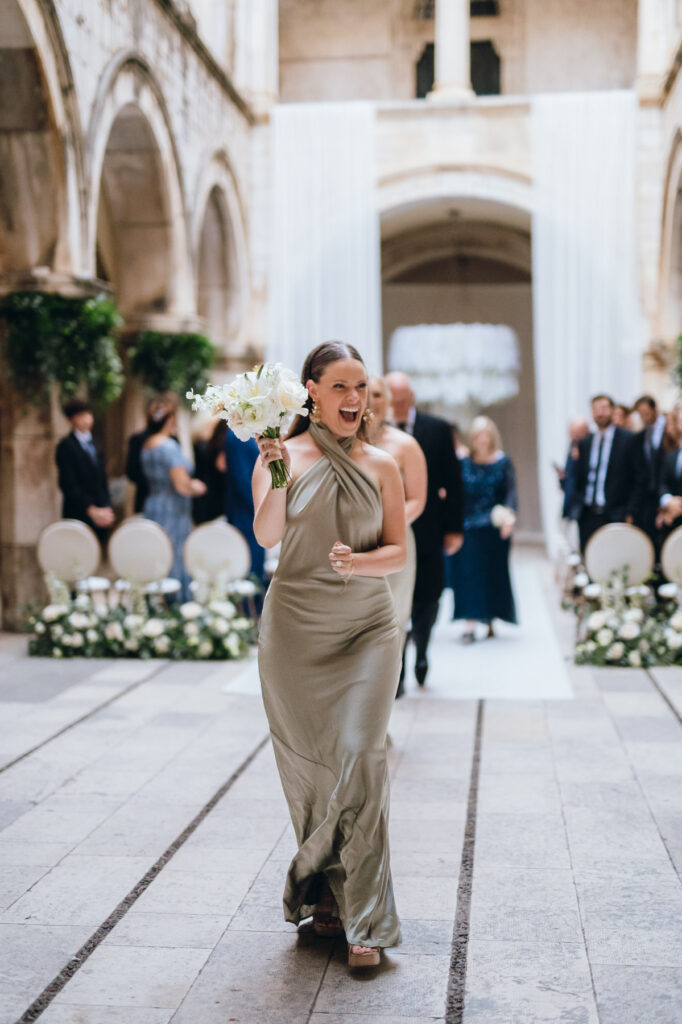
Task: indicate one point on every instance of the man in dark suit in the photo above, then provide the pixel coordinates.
(670, 497)
(438, 530)
(577, 430)
(605, 486)
(650, 444)
(82, 476)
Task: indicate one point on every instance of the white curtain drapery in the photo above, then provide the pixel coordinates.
(587, 324)
(458, 366)
(325, 272)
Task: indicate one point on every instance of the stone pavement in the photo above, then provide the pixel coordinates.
(566, 908)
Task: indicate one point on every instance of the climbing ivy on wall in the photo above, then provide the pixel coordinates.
(68, 342)
(176, 362)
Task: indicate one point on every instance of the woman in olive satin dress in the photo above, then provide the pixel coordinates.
(329, 652)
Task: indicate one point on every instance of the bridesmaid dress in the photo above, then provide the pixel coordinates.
(329, 657)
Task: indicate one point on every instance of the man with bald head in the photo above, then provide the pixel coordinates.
(439, 528)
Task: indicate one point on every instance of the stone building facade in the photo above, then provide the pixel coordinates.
(135, 156)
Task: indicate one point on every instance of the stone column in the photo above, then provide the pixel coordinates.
(655, 40)
(257, 64)
(453, 70)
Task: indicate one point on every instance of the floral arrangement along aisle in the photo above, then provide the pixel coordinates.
(190, 631)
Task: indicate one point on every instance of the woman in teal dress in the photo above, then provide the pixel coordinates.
(329, 652)
(479, 572)
(171, 488)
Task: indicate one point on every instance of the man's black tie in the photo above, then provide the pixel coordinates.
(596, 472)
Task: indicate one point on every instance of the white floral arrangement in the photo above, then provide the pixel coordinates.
(261, 403)
(502, 516)
(190, 631)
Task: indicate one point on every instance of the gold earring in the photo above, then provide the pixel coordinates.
(367, 417)
(315, 413)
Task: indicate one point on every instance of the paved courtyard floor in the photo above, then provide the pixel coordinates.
(536, 831)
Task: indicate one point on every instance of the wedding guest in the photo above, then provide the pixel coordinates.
(577, 430)
(461, 450)
(670, 501)
(240, 458)
(605, 490)
(439, 528)
(210, 466)
(82, 473)
(330, 651)
(135, 442)
(651, 445)
(171, 487)
(622, 416)
(479, 572)
(412, 466)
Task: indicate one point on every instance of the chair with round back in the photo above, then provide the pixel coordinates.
(619, 551)
(216, 554)
(69, 553)
(671, 563)
(141, 555)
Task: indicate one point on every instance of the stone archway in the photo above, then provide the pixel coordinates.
(670, 283)
(466, 258)
(221, 260)
(40, 248)
(138, 238)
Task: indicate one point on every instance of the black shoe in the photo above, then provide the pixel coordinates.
(420, 670)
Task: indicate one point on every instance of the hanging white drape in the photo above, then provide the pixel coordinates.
(587, 327)
(325, 272)
(458, 365)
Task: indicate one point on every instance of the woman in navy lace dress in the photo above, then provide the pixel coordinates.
(479, 572)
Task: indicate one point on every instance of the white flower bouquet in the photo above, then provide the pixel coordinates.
(502, 516)
(263, 402)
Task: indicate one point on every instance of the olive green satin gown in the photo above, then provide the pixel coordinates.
(329, 657)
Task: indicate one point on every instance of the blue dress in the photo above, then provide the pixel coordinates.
(241, 458)
(165, 506)
(479, 572)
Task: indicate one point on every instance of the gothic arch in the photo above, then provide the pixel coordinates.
(137, 224)
(670, 263)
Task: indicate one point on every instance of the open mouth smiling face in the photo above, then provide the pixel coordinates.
(341, 395)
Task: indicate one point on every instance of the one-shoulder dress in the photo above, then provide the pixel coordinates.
(329, 657)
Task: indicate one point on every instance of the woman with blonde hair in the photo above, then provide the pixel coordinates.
(479, 572)
(412, 465)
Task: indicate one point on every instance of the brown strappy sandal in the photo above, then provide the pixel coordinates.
(364, 956)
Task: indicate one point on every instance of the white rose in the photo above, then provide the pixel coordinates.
(52, 612)
(615, 651)
(57, 631)
(153, 628)
(91, 636)
(78, 620)
(133, 622)
(220, 626)
(644, 646)
(604, 637)
(633, 615)
(113, 631)
(635, 659)
(191, 629)
(76, 640)
(205, 649)
(241, 625)
(82, 602)
(590, 647)
(39, 627)
(162, 645)
(581, 579)
(676, 622)
(674, 641)
(131, 644)
(596, 621)
(232, 645)
(224, 609)
(192, 641)
(56, 653)
(243, 588)
(629, 631)
(190, 610)
(612, 622)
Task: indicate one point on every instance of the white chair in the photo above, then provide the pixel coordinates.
(216, 556)
(619, 551)
(141, 554)
(69, 553)
(671, 563)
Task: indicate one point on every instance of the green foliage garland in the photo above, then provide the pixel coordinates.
(176, 362)
(52, 339)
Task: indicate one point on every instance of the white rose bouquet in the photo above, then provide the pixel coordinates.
(502, 516)
(263, 402)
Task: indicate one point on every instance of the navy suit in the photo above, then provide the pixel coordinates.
(82, 481)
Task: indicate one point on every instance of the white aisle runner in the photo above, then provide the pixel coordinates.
(523, 662)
